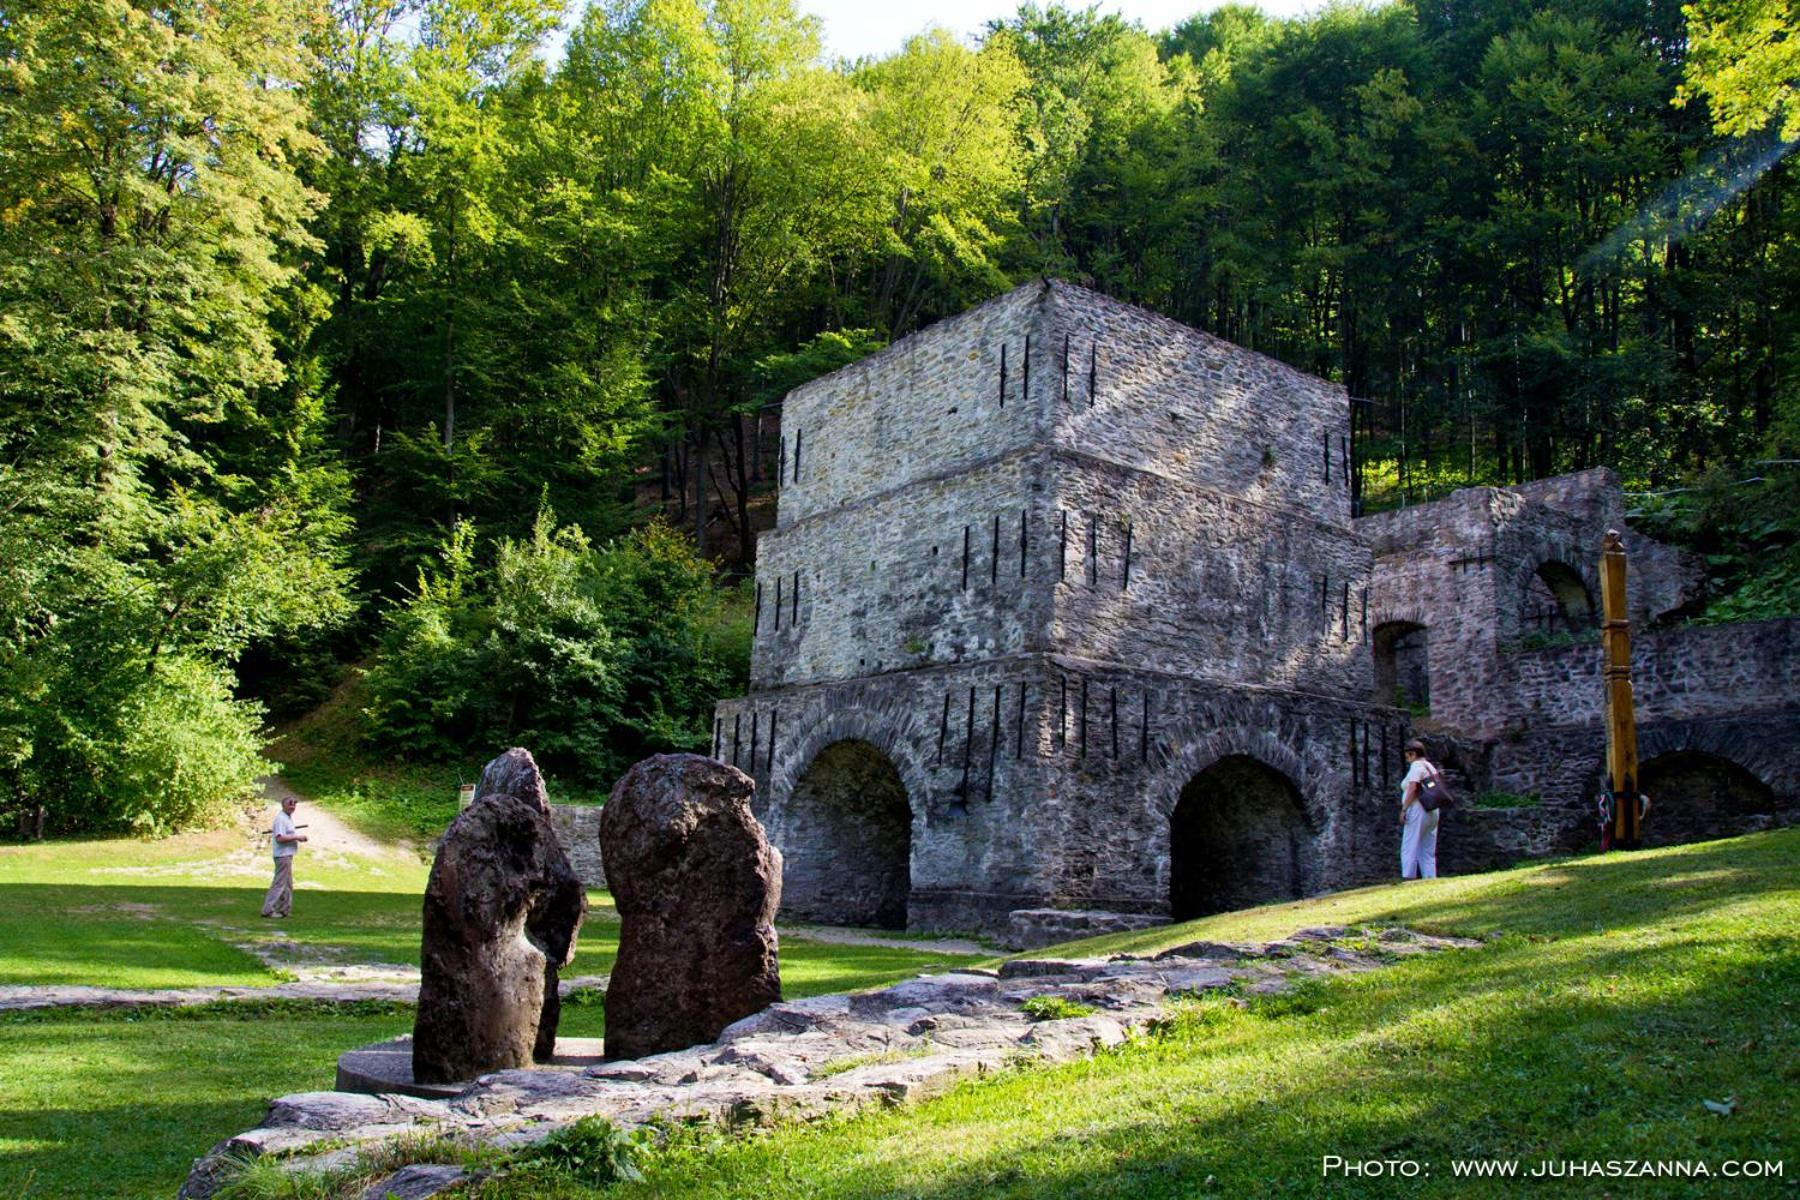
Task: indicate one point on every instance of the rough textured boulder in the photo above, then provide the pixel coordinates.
(502, 909)
(696, 884)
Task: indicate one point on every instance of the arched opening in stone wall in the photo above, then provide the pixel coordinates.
(1695, 796)
(1238, 837)
(1402, 666)
(1557, 600)
(847, 840)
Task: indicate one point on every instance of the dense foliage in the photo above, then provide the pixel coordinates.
(591, 657)
(294, 293)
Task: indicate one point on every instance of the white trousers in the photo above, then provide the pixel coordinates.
(1418, 844)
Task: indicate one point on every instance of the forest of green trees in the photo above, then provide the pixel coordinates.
(441, 339)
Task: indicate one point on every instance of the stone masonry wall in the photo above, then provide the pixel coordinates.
(1683, 673)
(1184, 579)
(1041, 781)
(962, 569)
(1151, 393)
(933, 404)
(578, 830)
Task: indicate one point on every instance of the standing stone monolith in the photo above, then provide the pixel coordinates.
(502, 910)
(696, 884)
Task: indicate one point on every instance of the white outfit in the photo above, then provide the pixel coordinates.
(1418, 841)
(284, 827)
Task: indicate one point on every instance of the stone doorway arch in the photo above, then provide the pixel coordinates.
(1402, 654)
(1557, 600)
(846, 839)
(1239, 836)
(1695, 796)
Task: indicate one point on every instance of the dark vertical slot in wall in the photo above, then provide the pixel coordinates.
(943, 729)
(968, 746)
(737, 733)
(994, 554)
(1386, 778)
(755, 729)
(1144, 731)
(756, 620)
(1025, 373)
(1062, 715)
(771, 759)
(798, 434)
(1062, 544)
(781, 464)
(778, 604)
(1065, 369)
(1022, 543)
(1019, 724)
(1125, 577)
(1325, 597)
(718, 735)
(796, 617)
(1082, 725)
(1093, 554)
(965, 581)
(1113, 721)
(994, 741)
(1094, 373)
(1002, 374)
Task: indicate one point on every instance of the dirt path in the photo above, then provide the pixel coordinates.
(326, 831)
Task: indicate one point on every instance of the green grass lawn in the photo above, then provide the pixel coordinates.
(118, 1104)
(1616, 995)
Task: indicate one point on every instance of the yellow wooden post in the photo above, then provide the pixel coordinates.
(1621, 724)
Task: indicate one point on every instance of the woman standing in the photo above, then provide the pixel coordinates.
(1418, 839)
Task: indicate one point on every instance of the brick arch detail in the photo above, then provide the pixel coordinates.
(895, 735)
(1399, 614)
(1761, 757)
(1193, 746)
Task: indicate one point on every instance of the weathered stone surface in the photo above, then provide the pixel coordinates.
(515, 773)
(1029, 928)
(696, 885)
(502, 911)
(578, 830)
(801, 1059)
(415, 1182)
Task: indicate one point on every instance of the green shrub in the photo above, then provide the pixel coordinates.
(592, 658)
(1056, 1008)
(591, 1150)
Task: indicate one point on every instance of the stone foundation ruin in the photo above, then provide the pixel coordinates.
(1066, 609)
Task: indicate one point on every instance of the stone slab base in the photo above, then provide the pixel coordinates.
(385, 1068)
(1030, 928)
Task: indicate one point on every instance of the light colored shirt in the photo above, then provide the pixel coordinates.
(1417, 773)
(284, 826)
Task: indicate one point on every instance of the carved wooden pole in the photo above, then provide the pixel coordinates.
(1621, 724)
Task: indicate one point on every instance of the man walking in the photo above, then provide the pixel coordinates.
(280, 900)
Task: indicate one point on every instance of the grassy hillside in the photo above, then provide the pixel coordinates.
(1615, 997)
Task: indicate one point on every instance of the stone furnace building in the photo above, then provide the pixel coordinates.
(1065, 608)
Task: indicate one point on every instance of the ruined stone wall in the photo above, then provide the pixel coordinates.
(1683, 673)
(959, 569)
(1150, 393)
(1043, 781)
(1188, 580)
(578, 830)
(935, 403)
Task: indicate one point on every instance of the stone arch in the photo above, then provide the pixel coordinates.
(1705, 782)
(1239, 836)
(1402, 654)
(847, 839)
(846, 805)
(1190, 748)
(1557, 598)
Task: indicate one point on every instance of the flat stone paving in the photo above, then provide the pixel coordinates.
(803, 1058)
